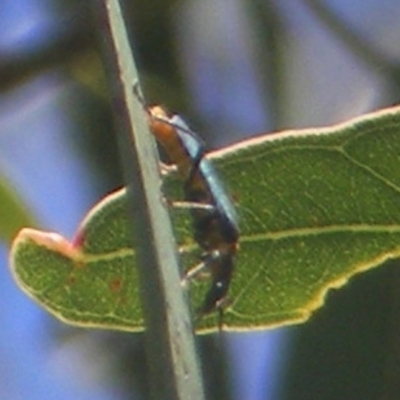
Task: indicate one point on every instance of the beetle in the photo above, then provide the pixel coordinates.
(214, 218)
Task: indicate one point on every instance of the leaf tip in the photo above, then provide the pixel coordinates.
(51, 240)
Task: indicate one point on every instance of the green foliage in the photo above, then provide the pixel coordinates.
(13, 214)
(316, 207)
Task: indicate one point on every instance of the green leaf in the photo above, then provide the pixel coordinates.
(13, 213)
(316, 207)
(91, 281)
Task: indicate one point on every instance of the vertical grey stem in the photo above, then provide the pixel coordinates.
(173, 363)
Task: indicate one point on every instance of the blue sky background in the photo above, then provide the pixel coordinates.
(324, 83)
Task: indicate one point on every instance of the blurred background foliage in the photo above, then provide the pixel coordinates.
(235, 69)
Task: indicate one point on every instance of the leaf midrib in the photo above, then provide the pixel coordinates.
(321, 230)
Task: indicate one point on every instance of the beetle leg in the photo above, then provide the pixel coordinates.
(192, 205)
(167, 169)
(199, 268)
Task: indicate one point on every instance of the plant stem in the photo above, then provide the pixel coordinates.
(173, 364)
